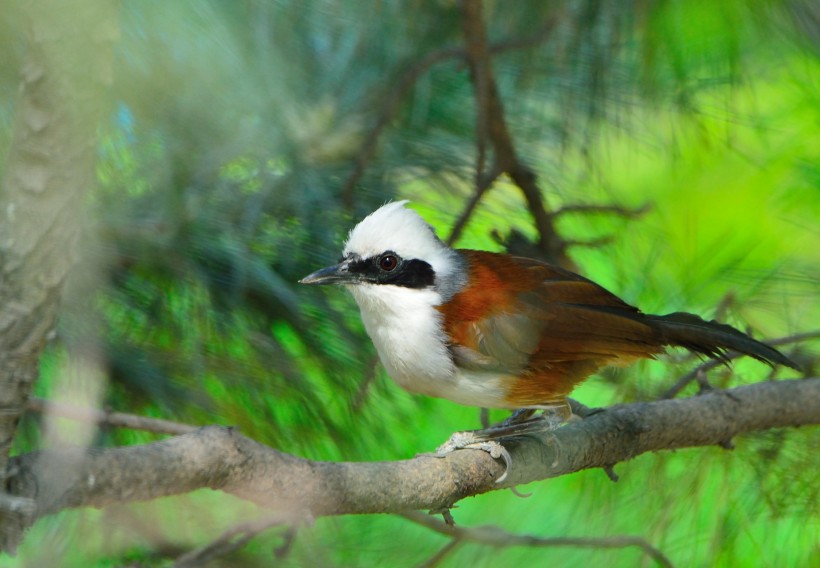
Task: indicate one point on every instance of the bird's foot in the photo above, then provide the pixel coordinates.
(521, 422)
(490, 439)
(476, 440)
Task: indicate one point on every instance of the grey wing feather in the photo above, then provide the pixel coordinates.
(505, 343)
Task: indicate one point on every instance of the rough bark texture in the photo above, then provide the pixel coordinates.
(47, 171)
(221, 458)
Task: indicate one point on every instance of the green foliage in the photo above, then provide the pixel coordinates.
(234, 130)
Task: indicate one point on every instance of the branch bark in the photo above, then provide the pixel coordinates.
(221, 458)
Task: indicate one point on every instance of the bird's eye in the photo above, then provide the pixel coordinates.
(388, 262)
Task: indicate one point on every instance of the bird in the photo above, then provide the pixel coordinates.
(494, 330)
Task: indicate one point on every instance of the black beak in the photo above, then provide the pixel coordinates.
(336, 274)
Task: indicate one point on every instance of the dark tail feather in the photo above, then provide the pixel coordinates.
(714, 339)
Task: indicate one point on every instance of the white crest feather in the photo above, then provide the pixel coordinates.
(393, 227)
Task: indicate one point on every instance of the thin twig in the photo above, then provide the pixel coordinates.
(499, 538)
(484, 418)
(108, 418)
(600, 241)
(389, 109)
(536, 39)
(620, 211)
(726, 302)
(231, 540)
(609, 470)
(364, 386)
(444, 551)
(707, 366)
(288, 538)
(481, 188)
(405, 82)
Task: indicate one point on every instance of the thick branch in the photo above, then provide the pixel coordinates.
(221, 458)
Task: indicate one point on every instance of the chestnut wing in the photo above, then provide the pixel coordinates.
(548, 320)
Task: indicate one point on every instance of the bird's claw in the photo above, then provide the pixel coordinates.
(487, 440)
(471, 441)
(457, 441)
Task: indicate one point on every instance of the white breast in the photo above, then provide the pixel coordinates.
(407, 331)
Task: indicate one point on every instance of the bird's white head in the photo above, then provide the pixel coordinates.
(399, 272)
(394, 227)
(394, 246)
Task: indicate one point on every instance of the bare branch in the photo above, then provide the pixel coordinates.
(220, 458)
(491, 119)
(389, 109)
(442, 553)
(707, 366)
(108, 418)
(594, 243)
(620, 211)
(482, 186)
(499, 538)
(403, 85)
(364, 387)
(231, 540)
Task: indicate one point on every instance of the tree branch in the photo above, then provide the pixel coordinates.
(499, 538)
(618, 210)
(492, 124)
(707, 366)
(231, 540)
(108, 418)
(405, 82)
(220, 458)
(482, 185)
(389, 109)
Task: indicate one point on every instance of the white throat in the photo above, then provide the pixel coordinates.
(406, 329)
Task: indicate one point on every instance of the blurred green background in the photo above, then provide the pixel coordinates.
(224, 176)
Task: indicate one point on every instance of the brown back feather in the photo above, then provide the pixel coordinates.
(550, 327)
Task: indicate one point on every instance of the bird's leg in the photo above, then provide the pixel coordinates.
(554, 414)
(518, 423)
(581, 410)
(520, 415)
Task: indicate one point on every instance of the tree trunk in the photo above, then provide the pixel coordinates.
(50, 166)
